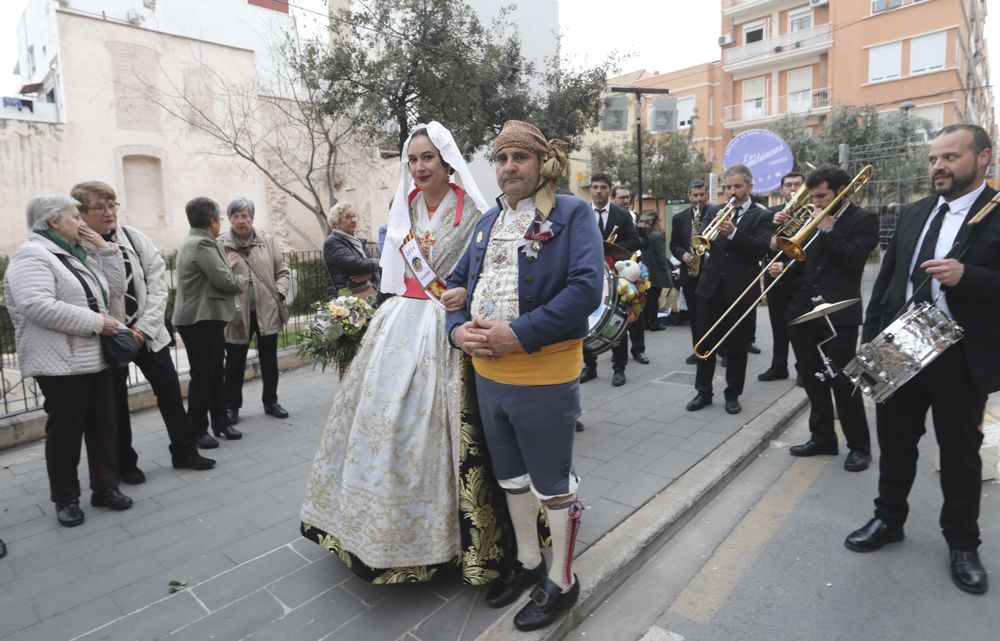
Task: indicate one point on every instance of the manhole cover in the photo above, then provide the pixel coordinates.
(677, 378)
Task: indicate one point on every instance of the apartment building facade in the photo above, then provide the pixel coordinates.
(804, 57)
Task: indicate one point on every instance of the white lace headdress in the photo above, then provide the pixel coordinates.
(393, 268)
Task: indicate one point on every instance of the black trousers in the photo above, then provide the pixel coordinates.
(849, 402)
(692, 301)
(778, 300)
(735, 346)
(236, 364)
(946, 388)
(205, 345)
(80, 408)
(159, 370)
(620, 350)
(651, 312)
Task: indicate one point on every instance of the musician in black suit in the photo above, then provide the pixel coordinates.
(730, 265)
(685, 224)
(835, 263)
(610, 219)
(955, 385)
(656, 261)
(621, 197)
(780, 295)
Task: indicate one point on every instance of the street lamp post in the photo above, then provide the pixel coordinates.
(638, 91)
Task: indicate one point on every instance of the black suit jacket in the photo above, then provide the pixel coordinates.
(656, 260)
(834, 265)
(732, 264)
(628, 237)
(974, 301)
(680, 238)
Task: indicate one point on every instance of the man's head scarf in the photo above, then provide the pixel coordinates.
(552, 154)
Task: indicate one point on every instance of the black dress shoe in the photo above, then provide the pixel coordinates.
(968, 572)
(519, 579)
(3, 549)
(193, 461)
(228, 432)
(112, 499)
(753, 349)
(641, 357)
(133, 476)
(733, 406)
(618, 378)
(547, 604)
(691, 360)
(233, 416)
(69, 514)
(873, 535)
(812, 448)
(206, 442)
(773, 374)
(589, 373)
(579, 426)
(656, 327)
(857, 461)
(275, 410)
(698, 402)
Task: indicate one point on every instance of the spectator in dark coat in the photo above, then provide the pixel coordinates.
(347, 261)
(656, 261)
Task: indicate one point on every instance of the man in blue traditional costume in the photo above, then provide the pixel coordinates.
(533, 274)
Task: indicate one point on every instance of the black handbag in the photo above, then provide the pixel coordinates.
(120, 348)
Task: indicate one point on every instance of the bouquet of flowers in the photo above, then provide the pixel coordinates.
(335, 331)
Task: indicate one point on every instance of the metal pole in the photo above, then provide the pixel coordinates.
(638, 145)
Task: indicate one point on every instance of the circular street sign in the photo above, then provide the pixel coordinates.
(766, 154)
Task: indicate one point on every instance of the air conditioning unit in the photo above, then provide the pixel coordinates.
(133, 16)
(819, 3)
(725, 39)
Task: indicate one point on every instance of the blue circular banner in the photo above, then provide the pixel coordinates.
(766, 154)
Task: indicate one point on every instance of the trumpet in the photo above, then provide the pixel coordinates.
(794, 247)
(703, 241)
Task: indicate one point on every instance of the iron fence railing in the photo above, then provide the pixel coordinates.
(19, 395)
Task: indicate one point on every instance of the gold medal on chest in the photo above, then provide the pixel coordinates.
(479, 237)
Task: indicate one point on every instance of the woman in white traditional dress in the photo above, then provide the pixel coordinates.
(401, 486)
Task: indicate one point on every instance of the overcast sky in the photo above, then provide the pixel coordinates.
(656, 35)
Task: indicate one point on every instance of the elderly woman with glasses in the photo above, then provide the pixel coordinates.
(263, 311)
(347, 261)
(58, 301)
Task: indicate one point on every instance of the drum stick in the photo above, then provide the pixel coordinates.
(986, 210)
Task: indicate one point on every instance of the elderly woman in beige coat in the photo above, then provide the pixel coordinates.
(263, 308)
(58, 300)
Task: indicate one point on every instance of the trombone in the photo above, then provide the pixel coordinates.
(703, 241)
(794, 247)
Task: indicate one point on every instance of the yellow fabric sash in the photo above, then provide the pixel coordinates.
(552, 365)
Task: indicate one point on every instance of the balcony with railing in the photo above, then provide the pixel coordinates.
(737, 8)
(783, 48)
(759, 110)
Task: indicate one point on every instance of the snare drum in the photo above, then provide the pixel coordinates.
(609, 321)
(903, 348)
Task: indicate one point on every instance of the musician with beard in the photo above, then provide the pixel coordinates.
(937, 257)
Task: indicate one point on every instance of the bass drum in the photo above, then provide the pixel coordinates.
(609, 321)
(903, 348)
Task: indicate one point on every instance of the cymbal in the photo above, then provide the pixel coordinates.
(823, 309)
(617, 251)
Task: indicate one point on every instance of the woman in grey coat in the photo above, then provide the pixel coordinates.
(58, 301)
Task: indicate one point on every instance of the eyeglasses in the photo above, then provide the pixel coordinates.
(101, 207)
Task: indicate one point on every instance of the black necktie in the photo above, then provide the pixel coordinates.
(600, 220)
(131, 301)
(923, 294)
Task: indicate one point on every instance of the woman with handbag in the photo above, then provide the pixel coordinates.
(347, 261)
(263, 309)
(58, 301)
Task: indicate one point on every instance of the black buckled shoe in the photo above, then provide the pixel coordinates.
(275, 410)
(579, 426)
(874, 535)
(857, 461)
(733, 406)
(618, 378)
(112, 499)
(133, 476)
(518, 579)
(968, 572)
(193, 461)
(206, 442)
(69, 514)
(698, 402)
(812, 448)
(547, 604)
(589, 373)
(228, 432)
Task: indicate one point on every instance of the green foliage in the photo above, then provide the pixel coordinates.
(669, 162)
(310, 275)
(395, 63)
(6, 325)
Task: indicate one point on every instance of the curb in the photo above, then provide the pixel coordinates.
(30, 426)
(607, 563)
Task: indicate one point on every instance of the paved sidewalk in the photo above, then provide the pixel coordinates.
(231, 534)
